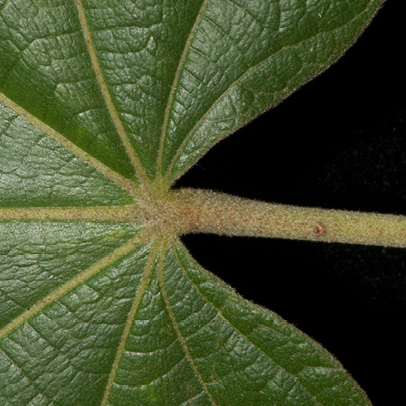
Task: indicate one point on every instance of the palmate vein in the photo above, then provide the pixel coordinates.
(130, 213)
(109, 173)
(244, 336)
(175, 86)
(71, 284)
(238, 81)
(130, 319)
(139, 169)
(178, 332)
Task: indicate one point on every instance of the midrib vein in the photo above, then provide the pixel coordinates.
(178, 332)
(71, 284)
(175, 86)
(109, 173)
(139, 169)
(130, 213)
(130, 319)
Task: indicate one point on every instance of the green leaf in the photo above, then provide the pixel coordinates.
(103, 105)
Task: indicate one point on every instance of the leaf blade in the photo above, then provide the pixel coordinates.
(43, 168)
(139, 45)
(46, 70)
(71, 340)
(139, 170)
(179, 335)
(42, 260)
(195, 340)
(289, 349)
(161, 373)
(225, 62)
(175, 84)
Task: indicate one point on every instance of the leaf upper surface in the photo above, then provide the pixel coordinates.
(72, 341)
(243, 58)
(98, 99)
(46, 69)
(36, 171)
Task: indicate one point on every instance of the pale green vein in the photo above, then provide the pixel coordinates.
(109, 173)
(139, 169)
(130, 319)
(71, 284)
(175, 86)
(178, 332)
(246, 338)
(238, 82)
(127, 214)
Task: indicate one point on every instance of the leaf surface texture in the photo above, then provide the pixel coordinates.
(99, 100)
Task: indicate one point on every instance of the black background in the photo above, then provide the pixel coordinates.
(339, 142)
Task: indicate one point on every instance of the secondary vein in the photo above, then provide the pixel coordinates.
(245, 337)
(237, 81)
(109, 173)
(71, 284)
(175, 86)
(130, 213)
(139, 169)
(178, 332)
(130, 319)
